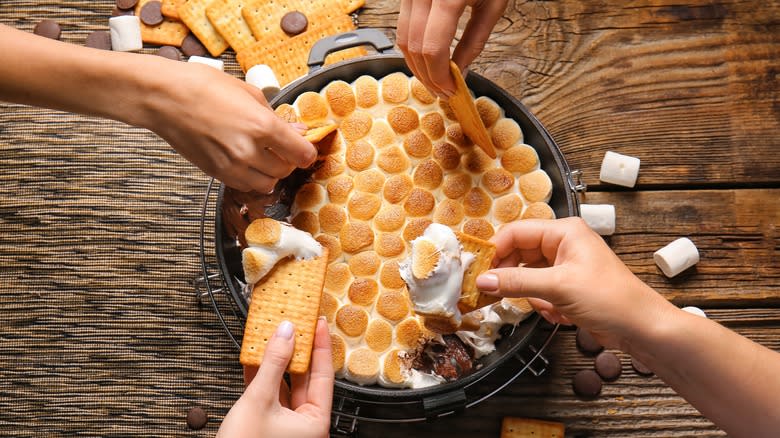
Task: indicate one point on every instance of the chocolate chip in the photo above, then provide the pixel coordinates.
(294, 23)
(151, 13)
(169, 52)
(608, 366)
(192, 47)
(48, 29)
(640, 368)
(587, 343)
(116, 12)
(126, 4)
(197, 418)
(99, 39)
(587, 383)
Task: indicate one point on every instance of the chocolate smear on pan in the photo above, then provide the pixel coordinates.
(451, 360)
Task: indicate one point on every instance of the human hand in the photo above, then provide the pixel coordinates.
(571, 276)
(425, 32)
(269, 409)
(223, 125)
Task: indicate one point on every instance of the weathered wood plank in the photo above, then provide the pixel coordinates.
(631, 406)
(736, 232)
(690, 89)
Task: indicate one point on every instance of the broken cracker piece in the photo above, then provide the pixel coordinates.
(484, 252)
(512, 427)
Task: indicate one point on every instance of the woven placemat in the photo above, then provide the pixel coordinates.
(101, 333)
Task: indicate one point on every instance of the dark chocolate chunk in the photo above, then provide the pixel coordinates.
(587, 343)
(191, 46)
(169, 52)
(294, 23)
(197, 418)
(99, 39)
(587, 383)
(126, 4)
(48, 29)
(640, 368)
(608, 366)
(116, 12)
(151, 13)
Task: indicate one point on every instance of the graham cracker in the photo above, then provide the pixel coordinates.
(170, 8)
(462, 104)
(193, 14)
(225, 16)
(168, 33)
(288, 59)
(512, 427)
(264, 16)
(291, 292)
(484, 252)
(314, 135)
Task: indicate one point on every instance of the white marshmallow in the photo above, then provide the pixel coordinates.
(125, 33)
(211, 62)
(676, 256)
(695, 310)
(619, 169)
(599, 217)
(262, 77)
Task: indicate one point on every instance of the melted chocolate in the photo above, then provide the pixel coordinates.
(451, 360)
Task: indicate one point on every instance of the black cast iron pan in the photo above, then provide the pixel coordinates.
(563, 202)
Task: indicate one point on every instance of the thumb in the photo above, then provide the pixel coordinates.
(521, 282)
(277, 355)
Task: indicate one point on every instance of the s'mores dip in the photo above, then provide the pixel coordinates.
(395, 197)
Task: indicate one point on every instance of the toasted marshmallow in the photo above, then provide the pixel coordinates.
(434, 272)
(362, 367)
(599, 217)
(676, 256)
(393, 372)
(619, 169)
(125, 33)
(483, 341)
(211, 62)
(270, 241)
(262, 77)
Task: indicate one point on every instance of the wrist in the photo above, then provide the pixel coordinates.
(655, 321)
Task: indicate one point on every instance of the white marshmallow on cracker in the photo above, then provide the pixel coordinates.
(270, 241)
(211, 62)
(125, 31)
(619, 169)
(599, 217)
(695, 311)
(676, 256)
(262, 77)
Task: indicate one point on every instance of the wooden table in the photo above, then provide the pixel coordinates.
(100, 332)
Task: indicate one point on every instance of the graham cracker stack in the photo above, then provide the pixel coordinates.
(292, 292)
(225, 16)
(512, 427)
(170, 8)
(484, 252)
(193, 14)
(263, 17)
(170, 32)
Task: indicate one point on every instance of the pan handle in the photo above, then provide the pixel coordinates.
(359, 37)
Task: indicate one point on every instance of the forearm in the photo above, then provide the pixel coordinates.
(47, 73)
(728, 378)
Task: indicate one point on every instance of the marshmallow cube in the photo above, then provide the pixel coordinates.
(695, 310)
(599, 217)
(262, 77)
(211, 62)
(619, 169)
(676, 256)
(125, 33)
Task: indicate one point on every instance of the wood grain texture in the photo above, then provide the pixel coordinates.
(691, 89)
(100, 332)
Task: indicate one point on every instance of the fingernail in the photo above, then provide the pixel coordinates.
(323, 318)
(488, 283)
(285, 330)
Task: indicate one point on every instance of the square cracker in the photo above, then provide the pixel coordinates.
(484, 252)
(193, 14)
(288, 59)
(225, 16)
(264, 17)
(462, 104)
(170, 8)
(292, 292)
(168, 33)
(512, 427)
